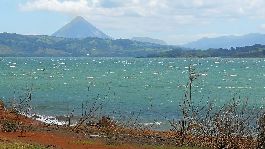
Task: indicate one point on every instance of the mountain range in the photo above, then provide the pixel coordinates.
(80, 28)
(227, 42)
(50, 46)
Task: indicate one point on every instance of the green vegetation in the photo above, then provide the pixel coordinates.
(239, 52)
(18, 145)
(84, 142)
(41, 46)
(170, 147)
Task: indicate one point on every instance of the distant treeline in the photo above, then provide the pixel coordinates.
(238, 52)
(43, 46)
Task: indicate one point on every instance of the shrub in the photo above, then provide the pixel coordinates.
(261, 136)
(2, 105)
(9, 126)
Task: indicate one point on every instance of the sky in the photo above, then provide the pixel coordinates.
(174, 21)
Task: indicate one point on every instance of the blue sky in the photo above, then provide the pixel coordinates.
(175, 21)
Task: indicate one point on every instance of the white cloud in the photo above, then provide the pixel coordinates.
(152, 16)
(94, 7)
(147, 8)
(262, 26)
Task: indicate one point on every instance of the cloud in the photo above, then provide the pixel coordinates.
(93, 7)
(188, 9)
(71, 7)
(153, 16)
(262, 26)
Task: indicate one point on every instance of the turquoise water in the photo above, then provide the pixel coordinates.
(127, 86)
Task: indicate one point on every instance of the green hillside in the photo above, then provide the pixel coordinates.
(37, 45)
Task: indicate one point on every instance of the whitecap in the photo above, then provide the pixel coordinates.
(49, 120)
(233, 75)
(40, 69)
(151, 123)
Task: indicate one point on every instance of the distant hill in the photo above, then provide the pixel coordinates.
(149, 40)
(79, 28)
(255, 51)
(41, 46)
(50, 46)
(227, 42)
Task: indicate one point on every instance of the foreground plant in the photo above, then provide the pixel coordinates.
(234, 125)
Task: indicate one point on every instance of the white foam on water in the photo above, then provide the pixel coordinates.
(46, 119)
(152, 123)
(233, 75)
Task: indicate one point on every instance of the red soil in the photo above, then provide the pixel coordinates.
(46, 138)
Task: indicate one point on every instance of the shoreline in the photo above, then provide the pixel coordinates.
(103, 134)
(33, 132)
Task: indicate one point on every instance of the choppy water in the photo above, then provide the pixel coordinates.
(151, 87)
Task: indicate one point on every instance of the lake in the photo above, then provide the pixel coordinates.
(150, 89)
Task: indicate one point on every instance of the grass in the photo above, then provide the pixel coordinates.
(146, 146)
(84, 142)
(18, 145)
(168, 147)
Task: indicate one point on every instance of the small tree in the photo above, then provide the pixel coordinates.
(261, 137)
(185, 124)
